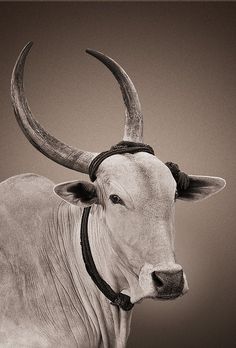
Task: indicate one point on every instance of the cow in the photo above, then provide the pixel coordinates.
(76, 257)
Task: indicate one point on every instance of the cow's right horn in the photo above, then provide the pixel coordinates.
(134, 118)
(51, 147)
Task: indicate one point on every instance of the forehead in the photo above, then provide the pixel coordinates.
(139, 173)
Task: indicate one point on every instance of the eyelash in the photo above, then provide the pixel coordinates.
(116, 199)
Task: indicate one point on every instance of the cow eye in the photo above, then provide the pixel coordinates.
(116, 199)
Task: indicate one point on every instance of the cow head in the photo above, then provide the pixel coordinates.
(134, 194)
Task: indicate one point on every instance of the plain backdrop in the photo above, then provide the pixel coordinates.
(182, 59)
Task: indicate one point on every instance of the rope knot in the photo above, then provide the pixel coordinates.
(131, 145)
(123, 301)
(182, 179)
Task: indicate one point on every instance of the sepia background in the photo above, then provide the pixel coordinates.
(182, 59)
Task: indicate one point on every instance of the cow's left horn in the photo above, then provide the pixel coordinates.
(134, 119)
(51, 147)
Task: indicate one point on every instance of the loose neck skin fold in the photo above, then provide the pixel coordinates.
(101, 324)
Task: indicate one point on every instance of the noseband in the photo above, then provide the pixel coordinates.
(118, 299)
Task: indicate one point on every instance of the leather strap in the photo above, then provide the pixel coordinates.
(117, 299)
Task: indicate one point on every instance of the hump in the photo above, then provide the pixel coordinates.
(27, 201)
(26, 181)
(26, 188)
(27, 204)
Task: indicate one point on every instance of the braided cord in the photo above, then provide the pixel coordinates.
(122, 147)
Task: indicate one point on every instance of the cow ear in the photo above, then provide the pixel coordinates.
(201, 187)
(80, 193)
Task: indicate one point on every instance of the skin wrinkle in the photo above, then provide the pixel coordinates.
(82, 283)
(64, 254)
(103, 321)
(59, 281)
(121, 264)
(71, 301)
(115, 318)
(102, 244)
(46, 316)
(76, 248)
(106, 310)
(62, 306)
(94, 313)
(50, 313)
(65, 260)
(46, 258)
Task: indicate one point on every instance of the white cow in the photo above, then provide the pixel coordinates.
(47, 296)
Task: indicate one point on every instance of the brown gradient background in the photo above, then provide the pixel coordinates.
(182, 58)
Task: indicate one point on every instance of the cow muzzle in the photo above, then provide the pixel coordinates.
(163, 281)
(169, 284)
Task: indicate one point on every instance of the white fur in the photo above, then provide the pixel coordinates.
(45, 291)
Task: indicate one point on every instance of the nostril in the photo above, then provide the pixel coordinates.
(158, 282)
(168, 283)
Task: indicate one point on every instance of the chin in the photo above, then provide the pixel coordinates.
(168, 297)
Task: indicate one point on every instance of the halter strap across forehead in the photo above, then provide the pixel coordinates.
(120, 148)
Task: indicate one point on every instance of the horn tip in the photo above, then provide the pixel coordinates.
(89, 50)
(29, 45)
(93, 52)
(26, 49)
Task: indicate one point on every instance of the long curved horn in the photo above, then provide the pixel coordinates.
(51, 147)
(134, 119)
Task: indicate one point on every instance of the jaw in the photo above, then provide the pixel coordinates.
(120, 273)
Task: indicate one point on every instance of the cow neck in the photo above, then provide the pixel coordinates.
(118, 299)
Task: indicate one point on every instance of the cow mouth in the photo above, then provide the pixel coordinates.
(169, 296)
